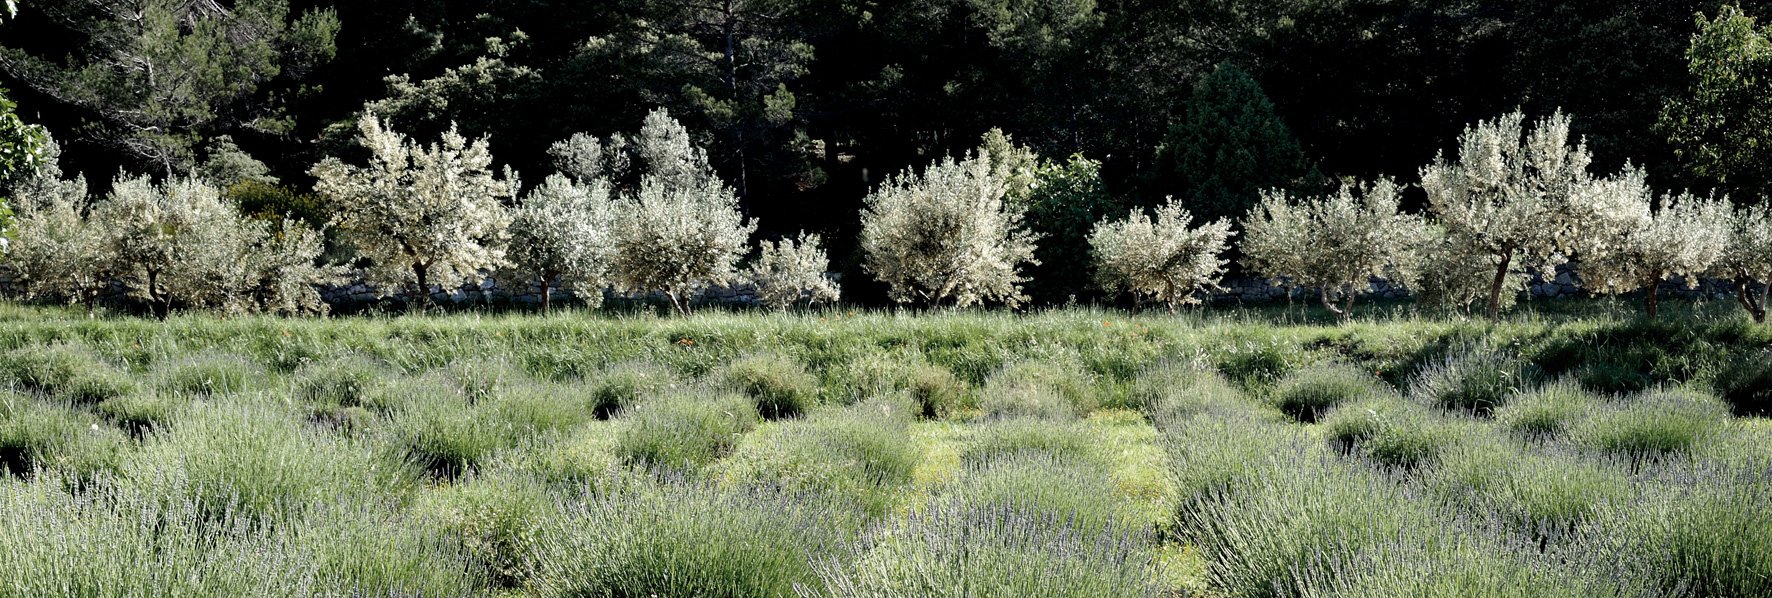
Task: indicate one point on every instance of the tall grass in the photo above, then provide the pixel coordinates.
(677, 538)
(1547, 411)
(950, 453)
(684, 430)
(859, 455)
(1310, 393)
(1654, 423)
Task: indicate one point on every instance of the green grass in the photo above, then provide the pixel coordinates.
(685, 431)
(1476, 381)
(675, 538)
(1547, 411)
(1310, 393)
(1239, 452)
(1653, 423)
(779, 385)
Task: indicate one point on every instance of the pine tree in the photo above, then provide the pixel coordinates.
(1227, 147)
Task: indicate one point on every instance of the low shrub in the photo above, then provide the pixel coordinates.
(625, 384)
(936, 389)
(860, 455)
(534, 406)
(141, 412)
(1297, 518)
(397, 393)
(1308, 394)
(112, 542)
(677, 538)
(778, 385)
(685, 430)
(1746, 384)
(36, 436)
(1654, 423)
(343, 382)
(1211, 457)
(492, 516)
(448, 437)
(1258, 363)
(252, 458)
(1172, 394)
(1614, 376)
(1546, 411)
(570, 459)
(1041, 389)
(1705, 534)
(1452, 562)
(353, 546)
(69, 372)
(1389, 432)
(1001, 549)
(1077, 491)
(1477, 381)
(996, 439)
(208, 375)
(1538, 494)
(483, 379)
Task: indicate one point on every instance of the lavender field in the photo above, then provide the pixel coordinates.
(1068, 453)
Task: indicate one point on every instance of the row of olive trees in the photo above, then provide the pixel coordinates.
(642, 216)
(649, 214)
(1517, 201)
(173, 242)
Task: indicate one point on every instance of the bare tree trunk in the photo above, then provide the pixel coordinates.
(1329, 304)
(1755, 306)
(678, 302)
(157, 301)
(423, 299)
(1348, 309)
(544, 292)
(1652, 300)
(1507, 259)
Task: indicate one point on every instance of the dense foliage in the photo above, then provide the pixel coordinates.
(1167, 258)
(948, 234)
(804, 105)
(1336, 244)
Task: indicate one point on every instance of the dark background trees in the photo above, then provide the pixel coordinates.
(806, 104)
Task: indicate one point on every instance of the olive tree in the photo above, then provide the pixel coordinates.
(793, 270)
(1747, 258)
(1335, 244)
(1166, 259)
(1453, 276)
(1632, 247)
(284, 267)
(56, 251)
(681, 231)
(947, 234)
(1509, 195)
(422, 215)
(178, 243)
(561, 234)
